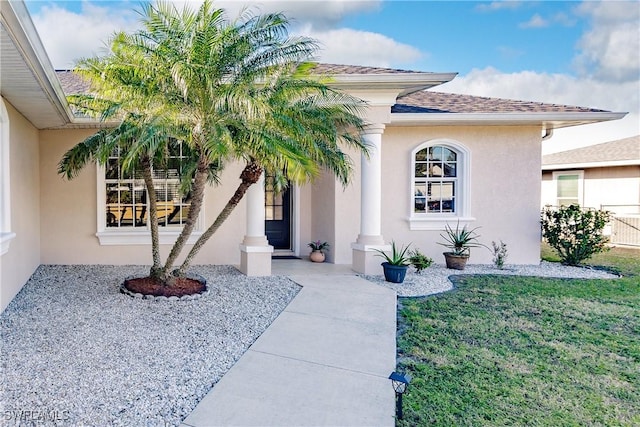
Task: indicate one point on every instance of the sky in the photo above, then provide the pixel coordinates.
(584, 53)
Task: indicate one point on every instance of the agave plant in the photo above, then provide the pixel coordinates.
(460, 240)
(399, 255)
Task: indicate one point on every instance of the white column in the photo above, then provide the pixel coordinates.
(370, 237)
(255, 251)
(255, 214)
(371, 188)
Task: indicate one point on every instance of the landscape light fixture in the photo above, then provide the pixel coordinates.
(399, 381)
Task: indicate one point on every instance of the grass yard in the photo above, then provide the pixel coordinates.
(508, 350)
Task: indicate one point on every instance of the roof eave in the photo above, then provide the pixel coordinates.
(19, 26)
(549, 120)
(588, 165)
(404, 83)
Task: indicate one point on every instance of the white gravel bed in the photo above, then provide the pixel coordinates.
(435, 279)
(77, 350)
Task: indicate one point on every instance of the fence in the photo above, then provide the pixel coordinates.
(625, 224)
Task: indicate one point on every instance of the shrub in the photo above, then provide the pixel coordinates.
(499, 254)
(419, 260)
(575, 233)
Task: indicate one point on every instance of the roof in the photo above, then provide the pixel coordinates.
(72, 83)
(358, 69)
(439, 102)
(415, 103)
(622, 152)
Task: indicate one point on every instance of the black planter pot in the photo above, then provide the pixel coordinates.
(394, 273)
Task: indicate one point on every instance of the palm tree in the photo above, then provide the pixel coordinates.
(229, 90)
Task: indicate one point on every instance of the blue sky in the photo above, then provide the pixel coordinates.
(460, 36)
(566, 52)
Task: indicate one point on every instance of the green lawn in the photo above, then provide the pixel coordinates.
(506, 350)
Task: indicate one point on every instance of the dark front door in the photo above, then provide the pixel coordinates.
(277, 209)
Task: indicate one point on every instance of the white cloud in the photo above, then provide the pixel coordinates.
(536, 21)
(68, 36)
(610, 49)
(313, 13)
(347, 46)
(499, 5)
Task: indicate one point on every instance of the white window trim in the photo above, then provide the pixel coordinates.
(580, 174)
(6, 235)
(120, 236)
(427, 221)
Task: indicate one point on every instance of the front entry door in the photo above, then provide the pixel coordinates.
(277, 210)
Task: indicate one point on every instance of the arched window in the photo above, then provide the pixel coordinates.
(439, 184)
(5, 189)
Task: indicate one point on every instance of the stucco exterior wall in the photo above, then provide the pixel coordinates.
(613, 186)
(69, 212)
(504, 193)
(23, 257)
(335, 212)
(619, 185)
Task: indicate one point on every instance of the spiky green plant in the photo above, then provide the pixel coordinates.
(461, 240)
(398, 255)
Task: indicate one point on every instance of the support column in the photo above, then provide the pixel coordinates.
(255, 251)
(370, 237)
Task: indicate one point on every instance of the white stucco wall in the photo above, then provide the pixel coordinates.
(618, 185)
(504, 193)
(23, 257)
(69, 210)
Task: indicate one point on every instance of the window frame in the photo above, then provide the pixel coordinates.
(580, 174)
(108, 236)
(6, 235)
(437, 221)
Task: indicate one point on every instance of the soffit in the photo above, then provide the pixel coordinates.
(27, 79)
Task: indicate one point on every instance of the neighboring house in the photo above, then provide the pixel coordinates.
(602, 176)
(435, 158)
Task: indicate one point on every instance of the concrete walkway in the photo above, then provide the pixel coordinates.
(323, 362)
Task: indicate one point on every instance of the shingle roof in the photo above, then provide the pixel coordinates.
(439, 102)
(417, 102)
(622, 150)
(72, 84)
(357, 69)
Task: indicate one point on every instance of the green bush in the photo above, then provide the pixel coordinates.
(419, 260)
(575, 233)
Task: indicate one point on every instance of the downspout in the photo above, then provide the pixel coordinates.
(548, 133)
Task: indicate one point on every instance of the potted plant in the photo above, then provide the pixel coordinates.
(459, 241)
(395, 267)
(317, 250)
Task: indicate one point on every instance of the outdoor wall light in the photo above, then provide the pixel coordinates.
(399, 381)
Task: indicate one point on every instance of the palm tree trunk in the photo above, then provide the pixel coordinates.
(197, 191)
(249, 176)
(153, 216)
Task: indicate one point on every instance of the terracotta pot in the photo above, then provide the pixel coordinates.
(455, 262)
(316, 256)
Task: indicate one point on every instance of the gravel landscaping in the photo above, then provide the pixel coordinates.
(76, 350)
(435, 279)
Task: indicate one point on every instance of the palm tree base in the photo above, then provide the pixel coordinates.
(150, 287)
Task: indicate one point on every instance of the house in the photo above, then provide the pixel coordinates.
(435, 158)
(602, 176)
